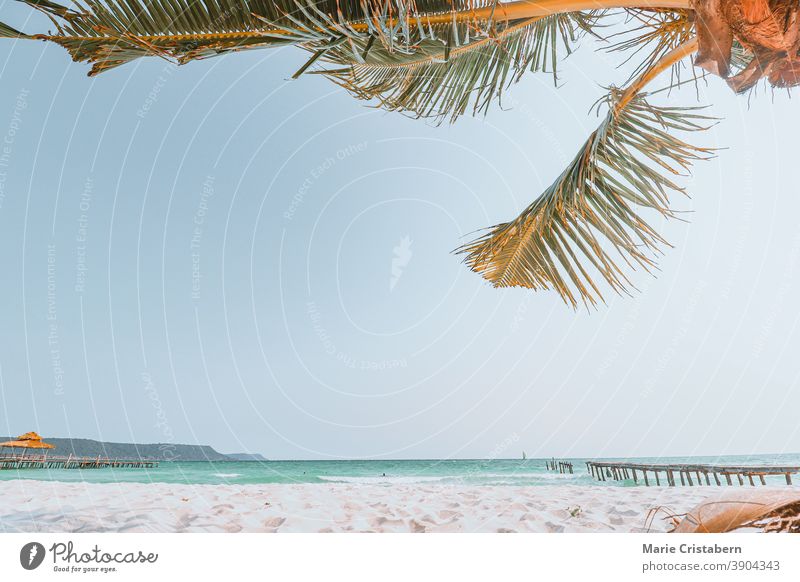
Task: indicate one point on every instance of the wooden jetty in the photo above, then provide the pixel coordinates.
(71, 462)
(560, 466)
(688, 474)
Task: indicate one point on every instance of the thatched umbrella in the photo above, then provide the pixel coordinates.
(29, 440)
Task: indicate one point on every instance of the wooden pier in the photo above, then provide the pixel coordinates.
(560, 466)
(688, 474)
(71, 462)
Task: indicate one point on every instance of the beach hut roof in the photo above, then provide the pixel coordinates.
(29, 440)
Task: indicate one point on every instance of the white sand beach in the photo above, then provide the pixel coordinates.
(45, 506)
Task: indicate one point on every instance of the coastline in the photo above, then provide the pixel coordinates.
(53, 506)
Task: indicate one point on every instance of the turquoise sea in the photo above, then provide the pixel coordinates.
(500, 472)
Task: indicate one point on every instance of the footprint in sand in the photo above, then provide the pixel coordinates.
(447, 514)
(380, 522)
(186, 520)
(222, 508)
(416, 527)
(274, 522)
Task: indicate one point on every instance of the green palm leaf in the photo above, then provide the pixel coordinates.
(109, 33)
(454, 70)
(365, 35)
(589, 218)
(655, 33)
(8, 32)
(659, 31)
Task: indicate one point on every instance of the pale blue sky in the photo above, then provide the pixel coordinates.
(298, 341)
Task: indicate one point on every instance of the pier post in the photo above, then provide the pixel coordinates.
(599, 470)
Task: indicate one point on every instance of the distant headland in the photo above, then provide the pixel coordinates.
(150, 451)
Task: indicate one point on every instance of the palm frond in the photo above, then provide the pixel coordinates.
(660, 31)
(453, 69)
(590, 215)
(655, 33)
(740, 57)
(109, 33)
(379, 47)
(9, 32)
